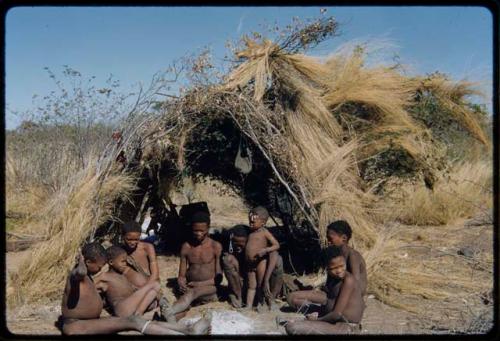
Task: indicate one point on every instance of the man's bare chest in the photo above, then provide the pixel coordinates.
(201, 254)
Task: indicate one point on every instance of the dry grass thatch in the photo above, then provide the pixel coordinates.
(459, 193)
(313, 122)
(71, 219)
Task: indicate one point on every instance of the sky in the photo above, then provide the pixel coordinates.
(133, 43)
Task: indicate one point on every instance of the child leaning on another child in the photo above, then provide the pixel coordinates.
(260, 246)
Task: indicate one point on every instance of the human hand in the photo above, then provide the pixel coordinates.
(181, 281)
(312, 316)
(79, 258)
(192, 284)
(81, 268)
(261, 253)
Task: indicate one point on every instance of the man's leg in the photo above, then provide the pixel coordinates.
(107, 325)
(138, 301)
(271, 265)
(276, 280)
(306, 327)
(297, 299)
(185, 300)
(202, 326)
(231, 269)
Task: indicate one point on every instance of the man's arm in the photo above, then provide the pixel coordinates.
(218, 270)
(80, 271)
(355, 264)
(153, 263)
(181, 279)
(101, 283)
(341, 302)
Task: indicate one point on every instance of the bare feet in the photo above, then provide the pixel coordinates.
(273, 306)
(164, 305)
(202, 326)
(261, 308)
(168, 315)
(138, 321)
(235, 302)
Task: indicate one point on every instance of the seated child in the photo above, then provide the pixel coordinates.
(141, 256)
(261, 243)
(338, 234)
(123, 297)
(344, 306)
(199, 269)
(82, 305)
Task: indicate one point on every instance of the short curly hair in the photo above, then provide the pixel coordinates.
(341, 227)
(114, 251)
(93, 252)
(332, 252)
(131, 226)
(261, 211)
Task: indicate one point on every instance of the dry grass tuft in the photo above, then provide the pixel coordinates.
(411, 264)
(71, 217)
(459, 193)
(451, 96)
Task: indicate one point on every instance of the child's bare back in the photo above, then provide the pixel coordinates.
(115, 286)
(81, 299)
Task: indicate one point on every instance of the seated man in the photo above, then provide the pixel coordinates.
(338, 234)
(199, 269)
(233, 262)
(124, 299)
(82, 305)
(261, 243)
(344, 306)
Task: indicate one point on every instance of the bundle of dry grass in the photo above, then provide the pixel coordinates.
(72, 217)
(460, 192)
(313, 123)
(416, 266)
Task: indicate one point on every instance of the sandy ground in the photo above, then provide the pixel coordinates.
(379, 318)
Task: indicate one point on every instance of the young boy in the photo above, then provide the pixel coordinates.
(199, 269)
(261, 243)
(338, 234)
(344, 307)
(141, 260)
(82, 305)
(233, 263)
(124, 299)
(142, 256)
